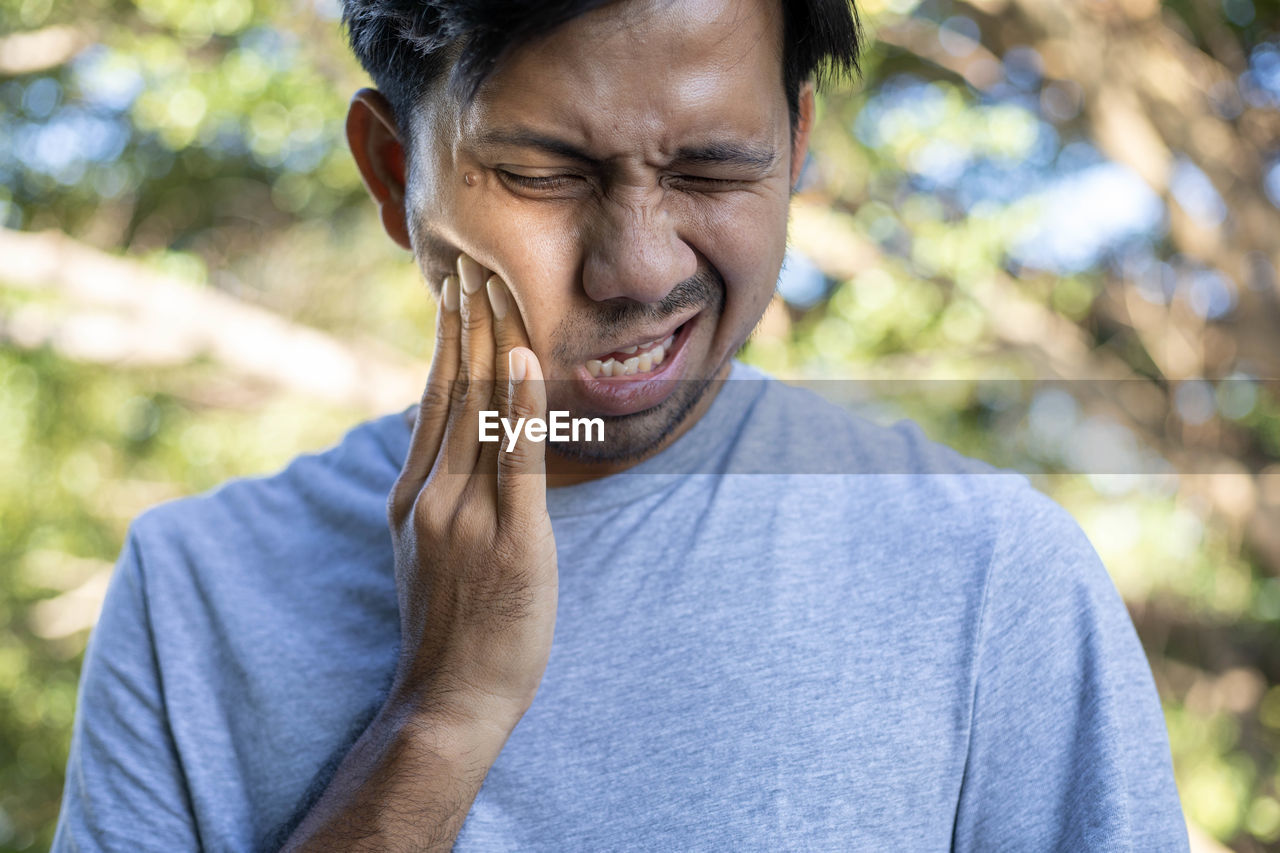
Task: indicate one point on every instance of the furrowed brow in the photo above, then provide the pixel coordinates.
(520, 137)
(728, 154)
(755, 158)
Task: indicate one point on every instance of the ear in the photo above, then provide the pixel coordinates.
(375, 142)
(804, 126)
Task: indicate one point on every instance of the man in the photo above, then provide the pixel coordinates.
(634, 641)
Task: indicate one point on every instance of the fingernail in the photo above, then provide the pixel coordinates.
(470, 283)
(449, 293)
(516, 365)
(497, 296)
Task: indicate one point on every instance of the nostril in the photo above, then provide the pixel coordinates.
(641, 269)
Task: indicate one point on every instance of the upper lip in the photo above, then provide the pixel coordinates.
(655, 336)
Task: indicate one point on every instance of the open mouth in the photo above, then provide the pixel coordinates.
(635, 360)
(636, 377)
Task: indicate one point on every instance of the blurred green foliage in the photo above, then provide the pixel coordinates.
(85, 449)
(204, 141)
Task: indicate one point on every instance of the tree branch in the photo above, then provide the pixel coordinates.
(123, 312)
(40, 50)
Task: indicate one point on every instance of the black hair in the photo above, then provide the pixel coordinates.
(406, 45)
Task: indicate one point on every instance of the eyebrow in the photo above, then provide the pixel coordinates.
(721, 153)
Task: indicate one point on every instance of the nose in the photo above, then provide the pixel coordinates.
(634, 250)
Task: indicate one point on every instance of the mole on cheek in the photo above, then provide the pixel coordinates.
(470, 179)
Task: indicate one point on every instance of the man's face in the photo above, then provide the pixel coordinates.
(628, 176)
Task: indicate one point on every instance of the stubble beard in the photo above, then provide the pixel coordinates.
(634, 436)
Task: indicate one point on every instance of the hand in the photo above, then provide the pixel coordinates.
(476, 578)
(475, 554)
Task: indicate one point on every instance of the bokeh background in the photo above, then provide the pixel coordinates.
(193, 286)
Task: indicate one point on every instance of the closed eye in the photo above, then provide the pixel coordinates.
(707, 183)
(549, 182)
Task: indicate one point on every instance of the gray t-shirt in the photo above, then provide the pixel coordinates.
(927, 657)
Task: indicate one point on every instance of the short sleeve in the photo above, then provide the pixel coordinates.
(124, 788)
(1068, 748)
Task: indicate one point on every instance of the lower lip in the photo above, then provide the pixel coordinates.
(625, 395)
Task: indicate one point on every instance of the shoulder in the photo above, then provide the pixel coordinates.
(894, 484)
(297, 566)
(826, 426)
(323, 496)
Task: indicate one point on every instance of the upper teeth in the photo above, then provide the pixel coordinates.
(651, 355)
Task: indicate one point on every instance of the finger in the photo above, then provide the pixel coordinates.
(433, 411)
(508, 332)
(522, 473)
(474, 391)
(486, 468)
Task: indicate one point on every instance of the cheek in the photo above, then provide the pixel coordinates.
(460, 207)
(745, 240)
(534, 248)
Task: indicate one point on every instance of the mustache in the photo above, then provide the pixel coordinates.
(703, 289)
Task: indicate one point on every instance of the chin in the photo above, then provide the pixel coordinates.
(632, 437)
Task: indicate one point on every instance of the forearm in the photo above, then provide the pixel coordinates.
(407, 784)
